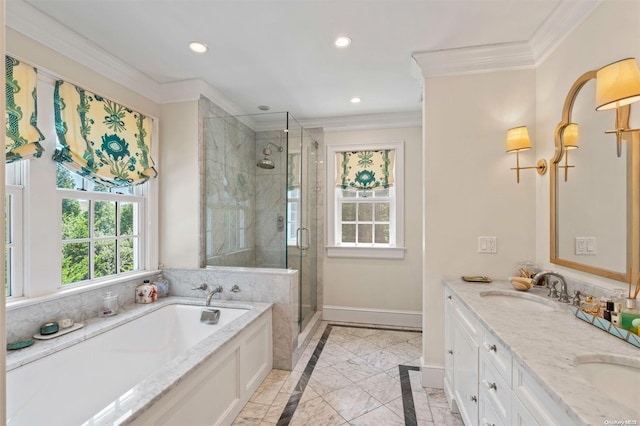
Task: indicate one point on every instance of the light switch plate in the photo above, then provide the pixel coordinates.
(586, 245)
(487, 245)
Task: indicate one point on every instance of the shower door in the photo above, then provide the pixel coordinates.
(302, 165)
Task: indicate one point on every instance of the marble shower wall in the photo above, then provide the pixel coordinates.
(271, 201)
(230, 179)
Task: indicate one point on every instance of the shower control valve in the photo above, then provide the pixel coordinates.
(202, 287)
(235, 288)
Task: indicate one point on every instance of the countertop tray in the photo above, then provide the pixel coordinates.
(607, 326)
(61, 332)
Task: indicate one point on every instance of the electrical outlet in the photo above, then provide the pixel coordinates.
(585, 245)
(488, 245)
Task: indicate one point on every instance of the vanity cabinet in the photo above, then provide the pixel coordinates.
(482, 381)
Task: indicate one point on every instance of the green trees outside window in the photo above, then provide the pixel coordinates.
(99, 237)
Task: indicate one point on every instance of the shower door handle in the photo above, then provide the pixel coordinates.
(299, 238)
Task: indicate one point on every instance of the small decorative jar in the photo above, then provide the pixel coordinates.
(109, 305)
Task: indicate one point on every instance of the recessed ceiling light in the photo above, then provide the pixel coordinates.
(355, 100)
(342, 41)
(264, 107)
(198, 47)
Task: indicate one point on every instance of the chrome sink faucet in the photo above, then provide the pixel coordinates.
(204, 287)
(564, 296)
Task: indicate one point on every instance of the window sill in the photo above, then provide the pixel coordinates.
(366, 252)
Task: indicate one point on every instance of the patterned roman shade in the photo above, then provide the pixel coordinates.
(101, 139)
(23, 137)
(365, 169)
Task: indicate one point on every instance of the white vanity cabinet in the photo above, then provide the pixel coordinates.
(482, 381)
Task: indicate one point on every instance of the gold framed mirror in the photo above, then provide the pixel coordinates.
(595, 198)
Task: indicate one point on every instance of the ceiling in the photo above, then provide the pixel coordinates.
(281, 53)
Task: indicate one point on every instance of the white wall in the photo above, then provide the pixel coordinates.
(611, 33)
(374, 285)
(179, 175)
(470, 190)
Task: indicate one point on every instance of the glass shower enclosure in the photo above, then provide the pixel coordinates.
(260, 207)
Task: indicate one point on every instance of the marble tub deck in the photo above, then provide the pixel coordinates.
(145, 393)
(351, 375)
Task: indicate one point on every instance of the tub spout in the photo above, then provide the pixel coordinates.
(215, 290)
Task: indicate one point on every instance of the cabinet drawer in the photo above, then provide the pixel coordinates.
(498, 355)
(496, 390)
(468, 321)
(536, 400)
(488, 414)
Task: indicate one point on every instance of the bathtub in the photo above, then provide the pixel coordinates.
(161, 363)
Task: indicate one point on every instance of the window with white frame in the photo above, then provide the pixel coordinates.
(13, 230)
(364, 214)
(64, 231)
(293, 215)
(101, 229)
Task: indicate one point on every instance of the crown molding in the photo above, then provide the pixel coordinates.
(508, 56)
(564, 19)
(475, 59)
(34, 24)
(366, 121)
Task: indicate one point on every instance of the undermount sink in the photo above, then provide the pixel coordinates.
(517, 300)
(617, 376)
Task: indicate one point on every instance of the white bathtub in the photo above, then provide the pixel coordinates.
(118, 376)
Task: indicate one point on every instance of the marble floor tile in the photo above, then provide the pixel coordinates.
(405, 351)
(436, 397)
(442, 416)
(318, 413)
(378, 417)
(382, 387)
(355, 381)
(325, 380)
(351, 402)
(251, 414)
(357, 369)
(382, 360)
(360, 346)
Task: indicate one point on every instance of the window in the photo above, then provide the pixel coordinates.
(293, 215)
(100, 228)
(63, 231)
(14, 173)
(364, 215)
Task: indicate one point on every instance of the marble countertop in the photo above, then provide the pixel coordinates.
(546, 345)
(144, 394)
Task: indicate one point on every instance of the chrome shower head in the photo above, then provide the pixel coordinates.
(267, 163)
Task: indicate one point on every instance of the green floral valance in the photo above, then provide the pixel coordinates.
(23, 137)
(365, 169)
(101, 139)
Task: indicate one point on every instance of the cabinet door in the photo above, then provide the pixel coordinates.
(465, 378)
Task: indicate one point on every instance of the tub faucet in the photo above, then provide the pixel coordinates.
(215, 290)
(564, 297)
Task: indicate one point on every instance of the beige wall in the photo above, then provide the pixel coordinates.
(52, 62)
(179, 186)
(611, 33)
(469, 188)
(377, 284)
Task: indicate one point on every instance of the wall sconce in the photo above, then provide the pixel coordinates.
(570, 137)
(518, 140)
(617, 85)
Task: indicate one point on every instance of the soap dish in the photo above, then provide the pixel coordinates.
(61, 332)
(19, 345)
(476, 279)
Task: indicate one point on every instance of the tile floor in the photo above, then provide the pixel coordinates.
(356, 380)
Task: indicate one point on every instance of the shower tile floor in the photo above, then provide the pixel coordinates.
(351, 375)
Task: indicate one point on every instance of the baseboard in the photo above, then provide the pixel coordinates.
(372, 316)
(432, 375)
